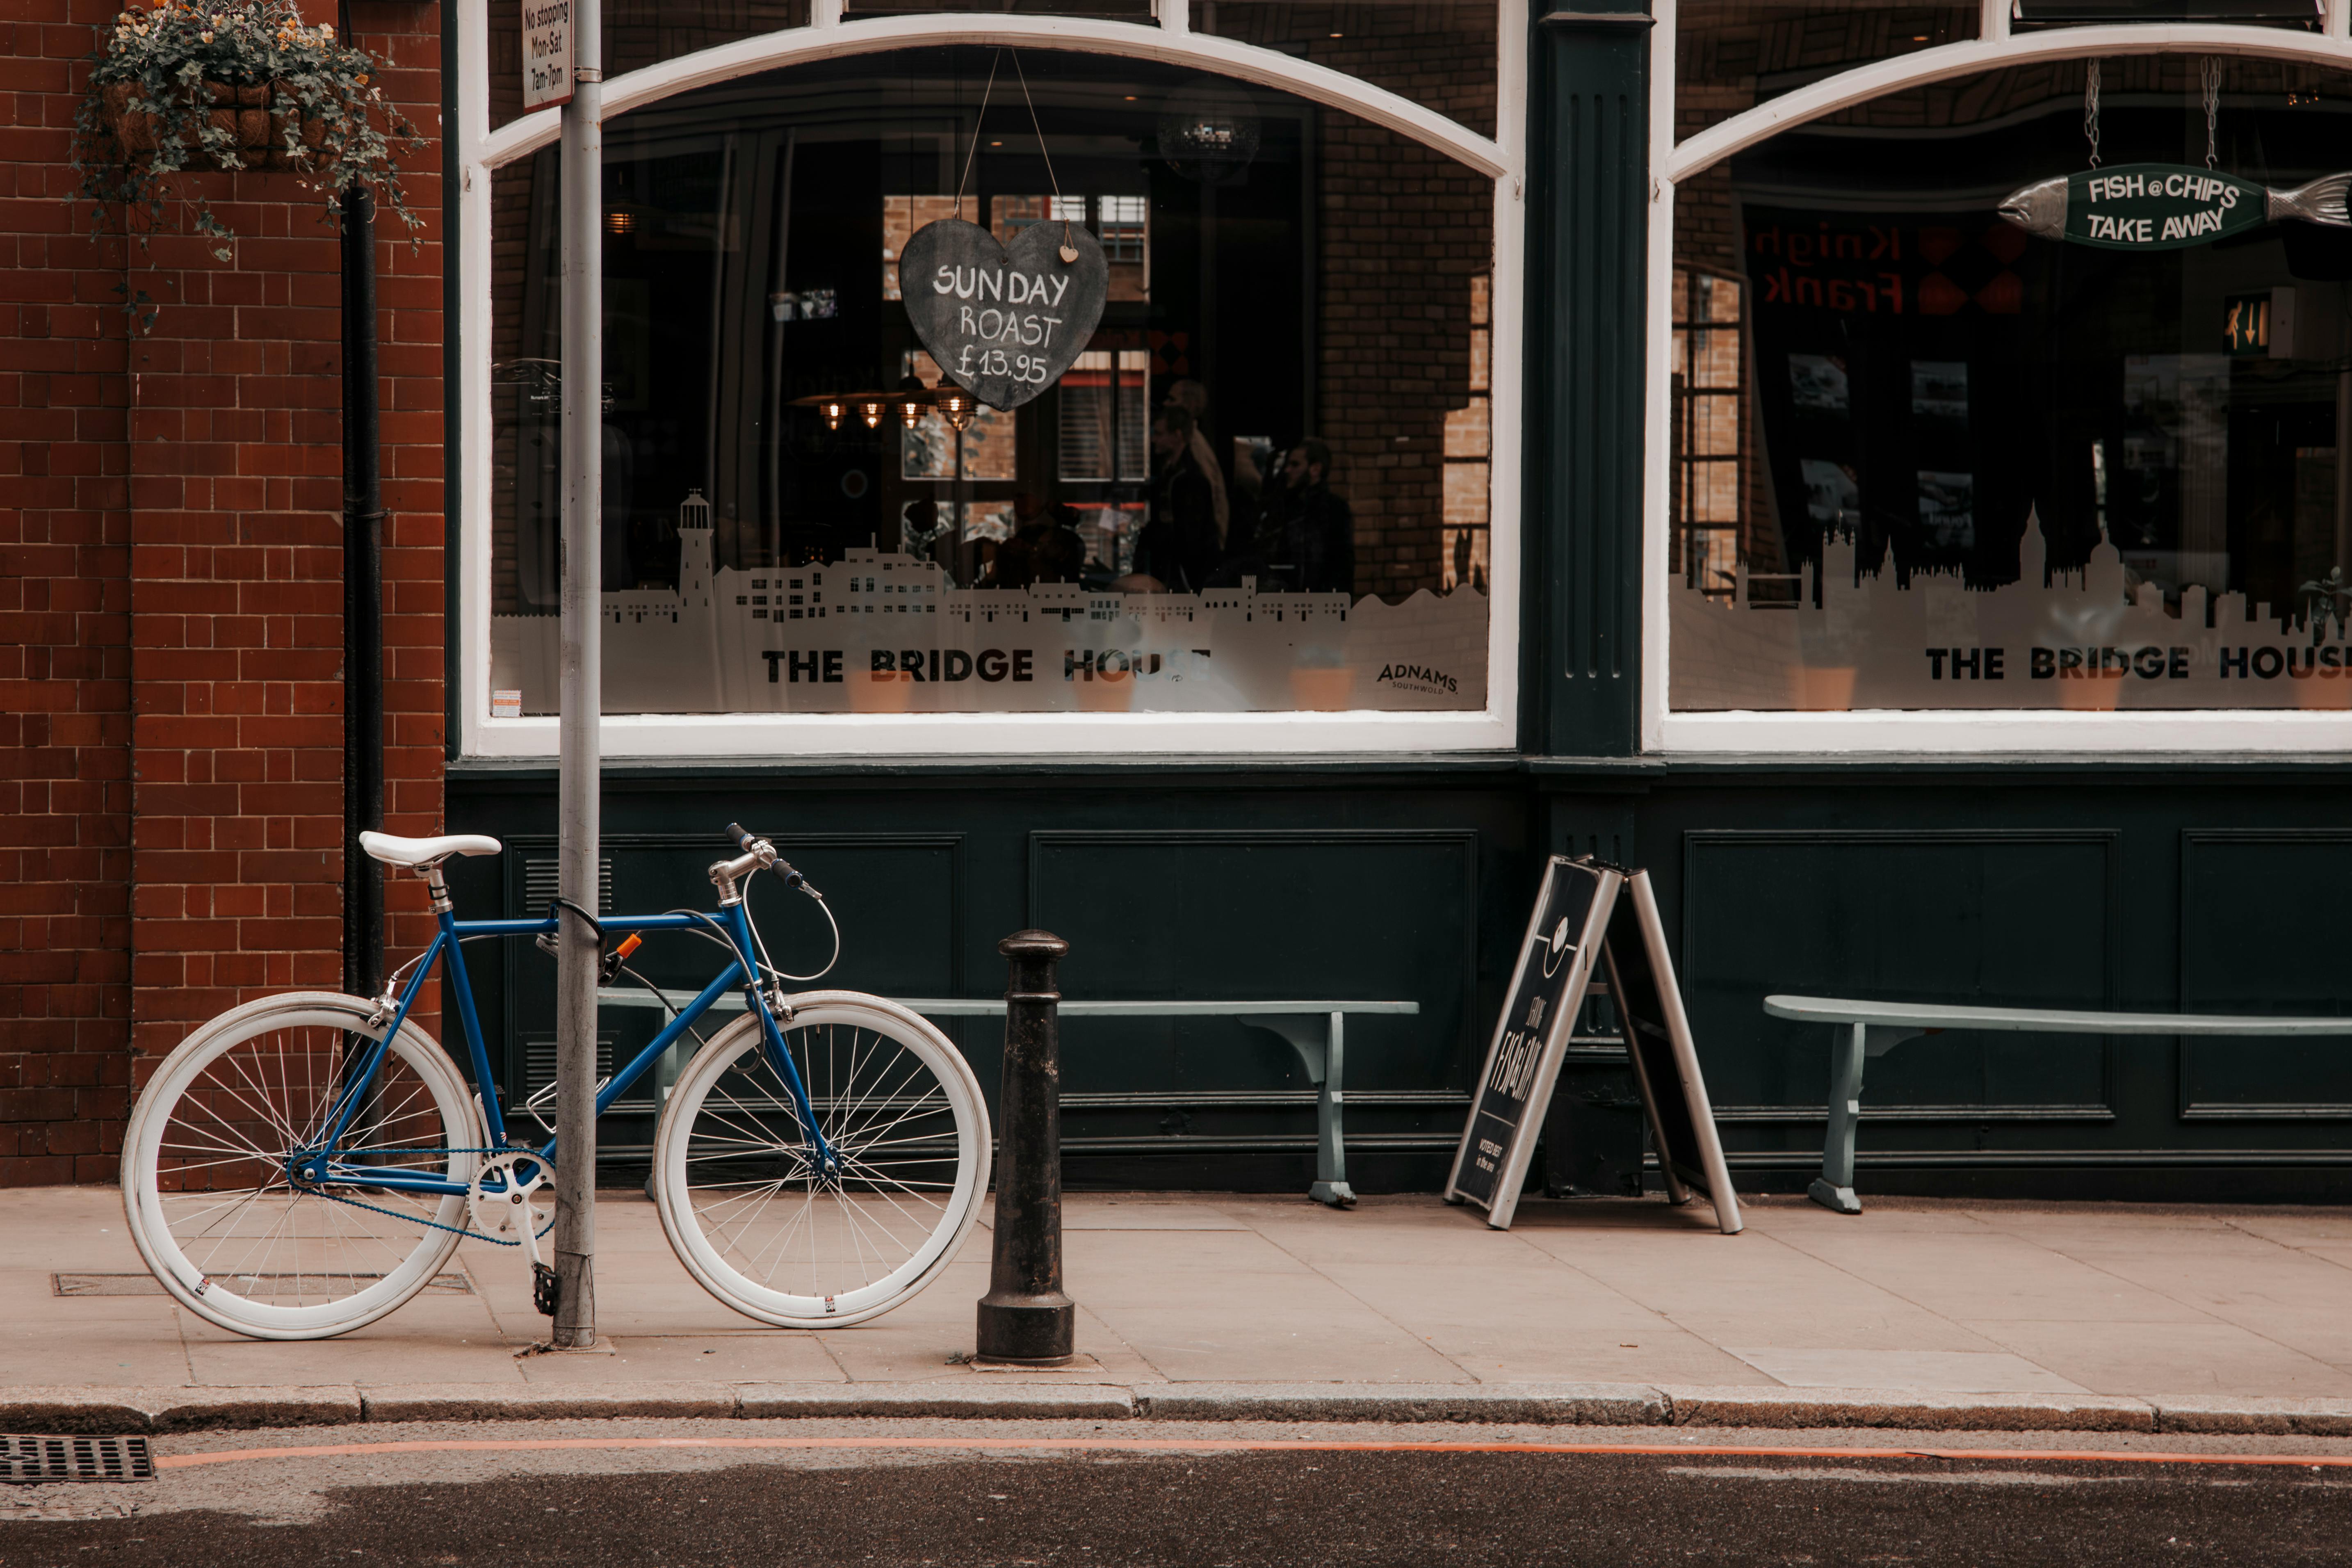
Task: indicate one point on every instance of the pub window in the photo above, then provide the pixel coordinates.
(1974, 450)
(1262, 484)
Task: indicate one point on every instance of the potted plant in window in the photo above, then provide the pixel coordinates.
(232, 84)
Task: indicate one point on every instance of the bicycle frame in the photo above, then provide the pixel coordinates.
(320, 1166)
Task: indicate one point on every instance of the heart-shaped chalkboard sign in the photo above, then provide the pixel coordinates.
(1002, 321)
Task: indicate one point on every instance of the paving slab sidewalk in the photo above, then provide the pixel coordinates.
(1921, 1314)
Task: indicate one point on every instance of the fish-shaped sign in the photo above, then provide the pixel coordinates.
(2165, 206)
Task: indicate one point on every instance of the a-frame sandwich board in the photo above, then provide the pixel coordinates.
(1585, 927)
(1557, 959)
(1665, 1061)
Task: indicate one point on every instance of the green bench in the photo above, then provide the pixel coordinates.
(1862, 1030)
(1317, 1031)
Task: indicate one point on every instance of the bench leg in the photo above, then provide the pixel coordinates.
(1330, 1152)
(1321, 1046)
(1834, 1190)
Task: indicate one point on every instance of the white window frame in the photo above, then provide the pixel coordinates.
(1897, 731)
(1167, 41)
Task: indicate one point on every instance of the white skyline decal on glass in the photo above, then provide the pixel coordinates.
(882, 631)
(2071, 639)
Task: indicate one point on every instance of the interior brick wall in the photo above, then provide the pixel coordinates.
(1405, 232)
(171, 598)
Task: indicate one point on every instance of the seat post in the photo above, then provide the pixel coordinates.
(431, 872)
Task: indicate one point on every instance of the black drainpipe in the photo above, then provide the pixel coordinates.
(362, 593)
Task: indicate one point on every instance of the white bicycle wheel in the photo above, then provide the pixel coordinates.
(208, 1186)
(745, 1205)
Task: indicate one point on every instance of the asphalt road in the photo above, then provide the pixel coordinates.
(944, 1506)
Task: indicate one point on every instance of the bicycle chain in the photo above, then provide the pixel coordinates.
(417, 1219)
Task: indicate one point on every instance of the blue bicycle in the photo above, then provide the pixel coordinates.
(303, 1164)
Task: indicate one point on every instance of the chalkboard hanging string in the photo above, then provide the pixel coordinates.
(973, 152)
(2091, 111)
(1069, 251)
(2210, 68)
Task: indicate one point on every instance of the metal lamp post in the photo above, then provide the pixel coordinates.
(581, 603)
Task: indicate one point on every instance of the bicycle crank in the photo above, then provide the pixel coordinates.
(509, 1206)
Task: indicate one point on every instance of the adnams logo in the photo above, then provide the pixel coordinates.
(1416, 677)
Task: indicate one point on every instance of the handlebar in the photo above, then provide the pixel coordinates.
(762, 851)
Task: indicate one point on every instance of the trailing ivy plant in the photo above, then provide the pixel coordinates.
(245, 85)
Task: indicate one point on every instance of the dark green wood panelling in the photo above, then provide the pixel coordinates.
(1383, 888)
(2262, 931)
(1927, 915)
(2049, 883)
(1217, 915)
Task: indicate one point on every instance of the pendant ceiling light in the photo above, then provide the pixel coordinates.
(908, 400)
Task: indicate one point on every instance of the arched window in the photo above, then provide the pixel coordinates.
(2009, 460)
(1267, 505)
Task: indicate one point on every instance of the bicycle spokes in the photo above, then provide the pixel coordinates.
(763, 1200)
(241, 1143)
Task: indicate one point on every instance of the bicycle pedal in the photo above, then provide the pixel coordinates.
(546, 1289)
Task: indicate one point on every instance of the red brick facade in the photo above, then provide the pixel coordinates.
(171, 626)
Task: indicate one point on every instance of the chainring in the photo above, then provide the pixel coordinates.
(511, 1200)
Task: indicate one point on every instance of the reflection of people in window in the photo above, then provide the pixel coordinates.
(1043, 547)
(1177, 548)
(1306, 536)
(922, 535)
(1193, 399)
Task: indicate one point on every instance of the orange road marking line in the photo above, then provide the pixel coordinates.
(1237, 1444)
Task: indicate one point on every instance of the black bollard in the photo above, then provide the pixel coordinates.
(1025, 1317)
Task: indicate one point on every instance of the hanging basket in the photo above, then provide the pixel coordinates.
(176, 91)
(256, 118)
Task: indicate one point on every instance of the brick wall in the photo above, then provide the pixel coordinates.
(65, 657)
(171, 726)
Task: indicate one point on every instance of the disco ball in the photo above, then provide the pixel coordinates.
(1209, 131)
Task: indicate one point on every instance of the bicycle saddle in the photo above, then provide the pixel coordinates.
(414, 852)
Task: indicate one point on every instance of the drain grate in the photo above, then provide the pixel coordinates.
(25, 1461)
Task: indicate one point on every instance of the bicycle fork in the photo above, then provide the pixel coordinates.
(780, 1056)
